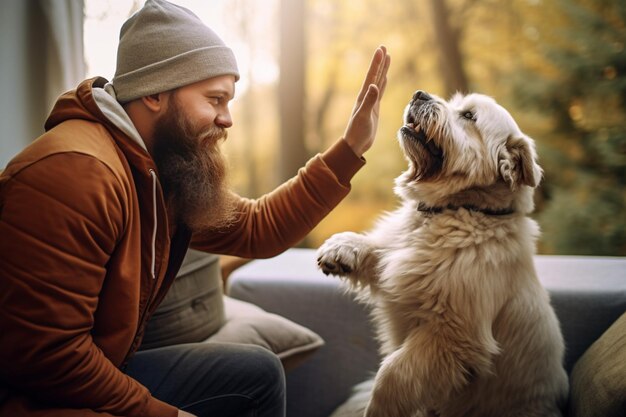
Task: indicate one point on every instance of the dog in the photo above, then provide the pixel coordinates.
(465, 327)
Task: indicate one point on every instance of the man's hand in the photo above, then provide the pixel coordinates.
(182, 413)
(363, 123)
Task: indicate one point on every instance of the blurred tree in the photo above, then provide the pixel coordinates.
(585, 153)
(242, 18)
(291, 89)
(450, 58)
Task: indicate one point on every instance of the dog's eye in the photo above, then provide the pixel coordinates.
(469, 116)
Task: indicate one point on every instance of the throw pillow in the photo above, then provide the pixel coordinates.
(193, 308)
(247, 323)
(598, 380)
(196, 310)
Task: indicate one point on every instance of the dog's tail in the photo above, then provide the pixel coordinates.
(355, 405)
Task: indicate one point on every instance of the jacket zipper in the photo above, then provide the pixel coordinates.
(154, 229)
(152, 266)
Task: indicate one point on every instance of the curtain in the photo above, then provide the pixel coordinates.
(41, 56)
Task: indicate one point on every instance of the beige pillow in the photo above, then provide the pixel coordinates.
(598, 381)
(196, 310)
(247, 323)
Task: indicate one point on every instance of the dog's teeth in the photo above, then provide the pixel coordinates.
(411, 125)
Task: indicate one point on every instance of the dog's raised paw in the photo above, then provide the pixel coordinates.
(339, 255)
(336, 268)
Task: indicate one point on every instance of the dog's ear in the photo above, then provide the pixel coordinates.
(517, 162)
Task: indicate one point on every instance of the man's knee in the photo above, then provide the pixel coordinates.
(266, 365)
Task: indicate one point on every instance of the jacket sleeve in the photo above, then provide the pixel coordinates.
(271, 224)
(60, 219)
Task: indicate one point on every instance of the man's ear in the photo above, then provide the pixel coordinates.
(517, 162)
(154, 102)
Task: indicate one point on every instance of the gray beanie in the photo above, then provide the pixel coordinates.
(164, 46)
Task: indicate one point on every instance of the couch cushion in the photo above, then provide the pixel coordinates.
(598, 381)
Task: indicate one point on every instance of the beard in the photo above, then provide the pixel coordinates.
(192, 171)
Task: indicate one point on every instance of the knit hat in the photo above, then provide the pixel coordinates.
(164, 46)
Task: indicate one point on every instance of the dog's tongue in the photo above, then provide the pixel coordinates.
(413, 126)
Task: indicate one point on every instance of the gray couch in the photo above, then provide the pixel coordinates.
(588, 294)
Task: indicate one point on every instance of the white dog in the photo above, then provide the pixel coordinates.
(466, 329)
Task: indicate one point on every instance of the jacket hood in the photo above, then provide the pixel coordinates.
(78, 104)
(94, 100)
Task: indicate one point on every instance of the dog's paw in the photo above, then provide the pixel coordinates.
(341, 254)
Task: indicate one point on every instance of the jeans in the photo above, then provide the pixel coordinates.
(213, 379)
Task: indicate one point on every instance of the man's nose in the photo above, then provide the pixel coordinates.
(224, 119)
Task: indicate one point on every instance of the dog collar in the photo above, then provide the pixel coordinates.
(421, 207)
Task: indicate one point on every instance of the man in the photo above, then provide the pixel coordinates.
(97, 214)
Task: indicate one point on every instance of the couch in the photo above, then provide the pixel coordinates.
(588, 295)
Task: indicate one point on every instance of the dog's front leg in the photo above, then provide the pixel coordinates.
(349, 255)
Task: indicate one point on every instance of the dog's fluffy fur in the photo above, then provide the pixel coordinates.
(465, 327)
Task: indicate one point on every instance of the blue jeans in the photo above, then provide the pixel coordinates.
(213, 379)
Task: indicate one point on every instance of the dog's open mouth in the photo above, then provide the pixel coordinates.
(415, 132)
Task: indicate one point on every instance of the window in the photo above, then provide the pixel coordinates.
(555, 65)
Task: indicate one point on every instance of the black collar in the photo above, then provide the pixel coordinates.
(439, 209)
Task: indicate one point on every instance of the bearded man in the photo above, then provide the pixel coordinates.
(97, 214)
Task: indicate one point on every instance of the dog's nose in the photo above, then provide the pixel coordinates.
(421, 95)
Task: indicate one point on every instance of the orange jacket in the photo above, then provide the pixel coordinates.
(81, 271)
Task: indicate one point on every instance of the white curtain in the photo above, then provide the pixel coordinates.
(41, 56)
